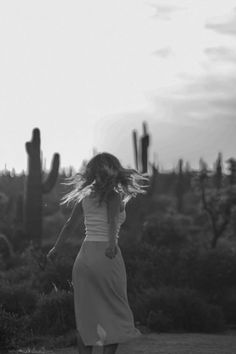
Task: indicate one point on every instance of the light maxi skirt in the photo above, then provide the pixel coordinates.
(102, 312)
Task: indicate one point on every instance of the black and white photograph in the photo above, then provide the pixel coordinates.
(117, 177)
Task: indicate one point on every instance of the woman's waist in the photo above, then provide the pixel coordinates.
(92, 237)
(98, 231)
(95, 237)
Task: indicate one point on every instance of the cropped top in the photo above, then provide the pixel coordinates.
(96, 219)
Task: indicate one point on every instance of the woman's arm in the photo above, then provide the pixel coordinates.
(74, 219)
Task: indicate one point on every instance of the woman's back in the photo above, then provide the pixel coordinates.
(96, 219)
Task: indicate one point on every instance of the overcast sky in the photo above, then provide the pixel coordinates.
(89, 72)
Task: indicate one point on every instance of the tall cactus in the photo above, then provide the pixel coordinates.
(141, 154)
(218, 175)
(136, 156)
(144, 148)
(180, 186)
(35, 188)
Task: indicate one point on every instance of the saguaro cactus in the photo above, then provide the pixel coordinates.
(218, 175)
(144, 148)
(180, 186)
(141, 156)
(35, 188)
(136, 156)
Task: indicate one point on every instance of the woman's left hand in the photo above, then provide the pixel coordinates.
(52, 254)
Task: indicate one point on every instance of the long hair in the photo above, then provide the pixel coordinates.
(104, 174)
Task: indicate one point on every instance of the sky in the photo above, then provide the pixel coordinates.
(87, 73)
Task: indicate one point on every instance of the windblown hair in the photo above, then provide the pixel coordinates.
(104, 174)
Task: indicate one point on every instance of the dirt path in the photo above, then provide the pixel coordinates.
(170, 344)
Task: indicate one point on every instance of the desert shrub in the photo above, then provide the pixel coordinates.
(181, 309)
(44, 276)
(18, 299)
(20, 287)
(184, 266)
(229, 306)
(52, 222)
(54, 275)
(139, 263)
(139, 306)
(150, 266)
(159, 321)
(54, 314)
(215, 319)
(17, 275)
(215, 272)
(191, 203)
(6, 249)
(8, 257)
(167, 230)
(13, 329)
(211, 272)
(162, 203)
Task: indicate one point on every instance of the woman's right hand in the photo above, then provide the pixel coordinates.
(111, 251)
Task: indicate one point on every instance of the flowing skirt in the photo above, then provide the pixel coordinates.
(102, 312)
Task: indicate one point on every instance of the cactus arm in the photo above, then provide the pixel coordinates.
(144, 148)
(28, 147)
(135, 149)
(180, 186)
(36, 138)
(144, 128)
(33, 146)
(49, 183)
(218, 172)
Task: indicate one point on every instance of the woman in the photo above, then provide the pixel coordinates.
(100, 192)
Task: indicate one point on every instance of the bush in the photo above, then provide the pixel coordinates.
(58, 275)
(209, 272)
(168, 230)
(45, 276)
(148, 266)
(18, 299)
(140, 266)
(159, 322)
(54, 314)
(138, 307)
(162, 203)
(215, 272)
(17, 275)
(229, 306)
(13, 329)
(181, 309)
(215, 319)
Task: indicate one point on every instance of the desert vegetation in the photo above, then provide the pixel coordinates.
(178, 244)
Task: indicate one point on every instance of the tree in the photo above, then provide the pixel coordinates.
(218, 203)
